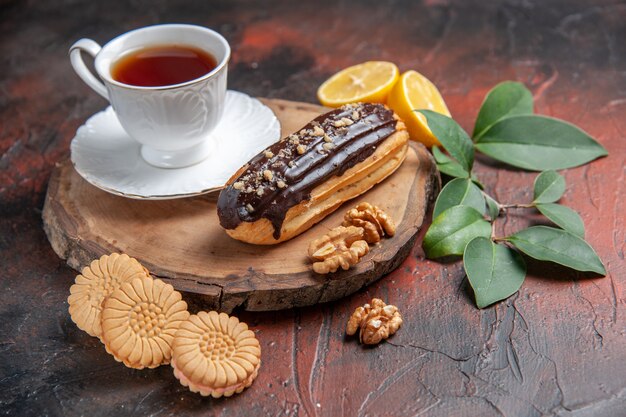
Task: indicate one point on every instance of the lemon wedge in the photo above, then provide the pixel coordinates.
(412, 92)
(368, 82)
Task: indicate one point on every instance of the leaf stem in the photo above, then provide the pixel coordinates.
(515, 206)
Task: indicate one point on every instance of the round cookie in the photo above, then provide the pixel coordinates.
(139, 321)
(95, 283)
(215, 354)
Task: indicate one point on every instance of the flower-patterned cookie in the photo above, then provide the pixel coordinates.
(139, 321)
(95, 283)
(215, 354)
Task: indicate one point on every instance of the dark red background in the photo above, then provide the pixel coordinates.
(558, 347)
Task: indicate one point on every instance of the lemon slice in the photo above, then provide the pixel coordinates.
(412, 92)
(368, 82)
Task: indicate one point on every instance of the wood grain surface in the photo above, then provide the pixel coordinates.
(557, 348)
(182, 242)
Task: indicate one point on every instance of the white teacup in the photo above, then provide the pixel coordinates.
(174, 122)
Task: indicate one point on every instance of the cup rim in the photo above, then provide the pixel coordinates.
(224, 62)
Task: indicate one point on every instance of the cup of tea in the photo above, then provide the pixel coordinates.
(167, 85)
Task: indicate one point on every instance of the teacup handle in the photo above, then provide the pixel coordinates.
(92, 48)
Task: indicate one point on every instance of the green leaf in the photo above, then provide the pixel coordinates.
(505, 99)
(448, 165)
(459, 192)
(452, 230)
(538, 143)
(549, 187)
(563, 217)
(492, 206)
(452, 137)
(558, 246)
(495, 272)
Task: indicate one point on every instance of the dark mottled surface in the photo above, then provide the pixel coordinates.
(556, 348)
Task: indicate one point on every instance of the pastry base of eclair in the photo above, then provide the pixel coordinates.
(327, 197)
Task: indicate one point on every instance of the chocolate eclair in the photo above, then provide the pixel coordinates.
(296, 182)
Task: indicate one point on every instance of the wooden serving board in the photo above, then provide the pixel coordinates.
(181, 242)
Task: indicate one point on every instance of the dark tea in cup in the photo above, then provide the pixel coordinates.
(162, 65)
(167, 86)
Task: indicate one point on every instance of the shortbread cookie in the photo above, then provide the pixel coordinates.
(214, 354)
(298, 181)
(139, 321)
(95, 283)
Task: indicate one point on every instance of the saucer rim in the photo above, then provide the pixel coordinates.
(149, 197)
(154, 197)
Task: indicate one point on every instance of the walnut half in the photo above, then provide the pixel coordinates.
(372, 219)
(375, 321)
(341, 247)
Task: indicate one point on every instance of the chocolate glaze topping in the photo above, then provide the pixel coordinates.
(284, 174)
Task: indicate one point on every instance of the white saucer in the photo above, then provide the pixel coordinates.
(104, 154)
